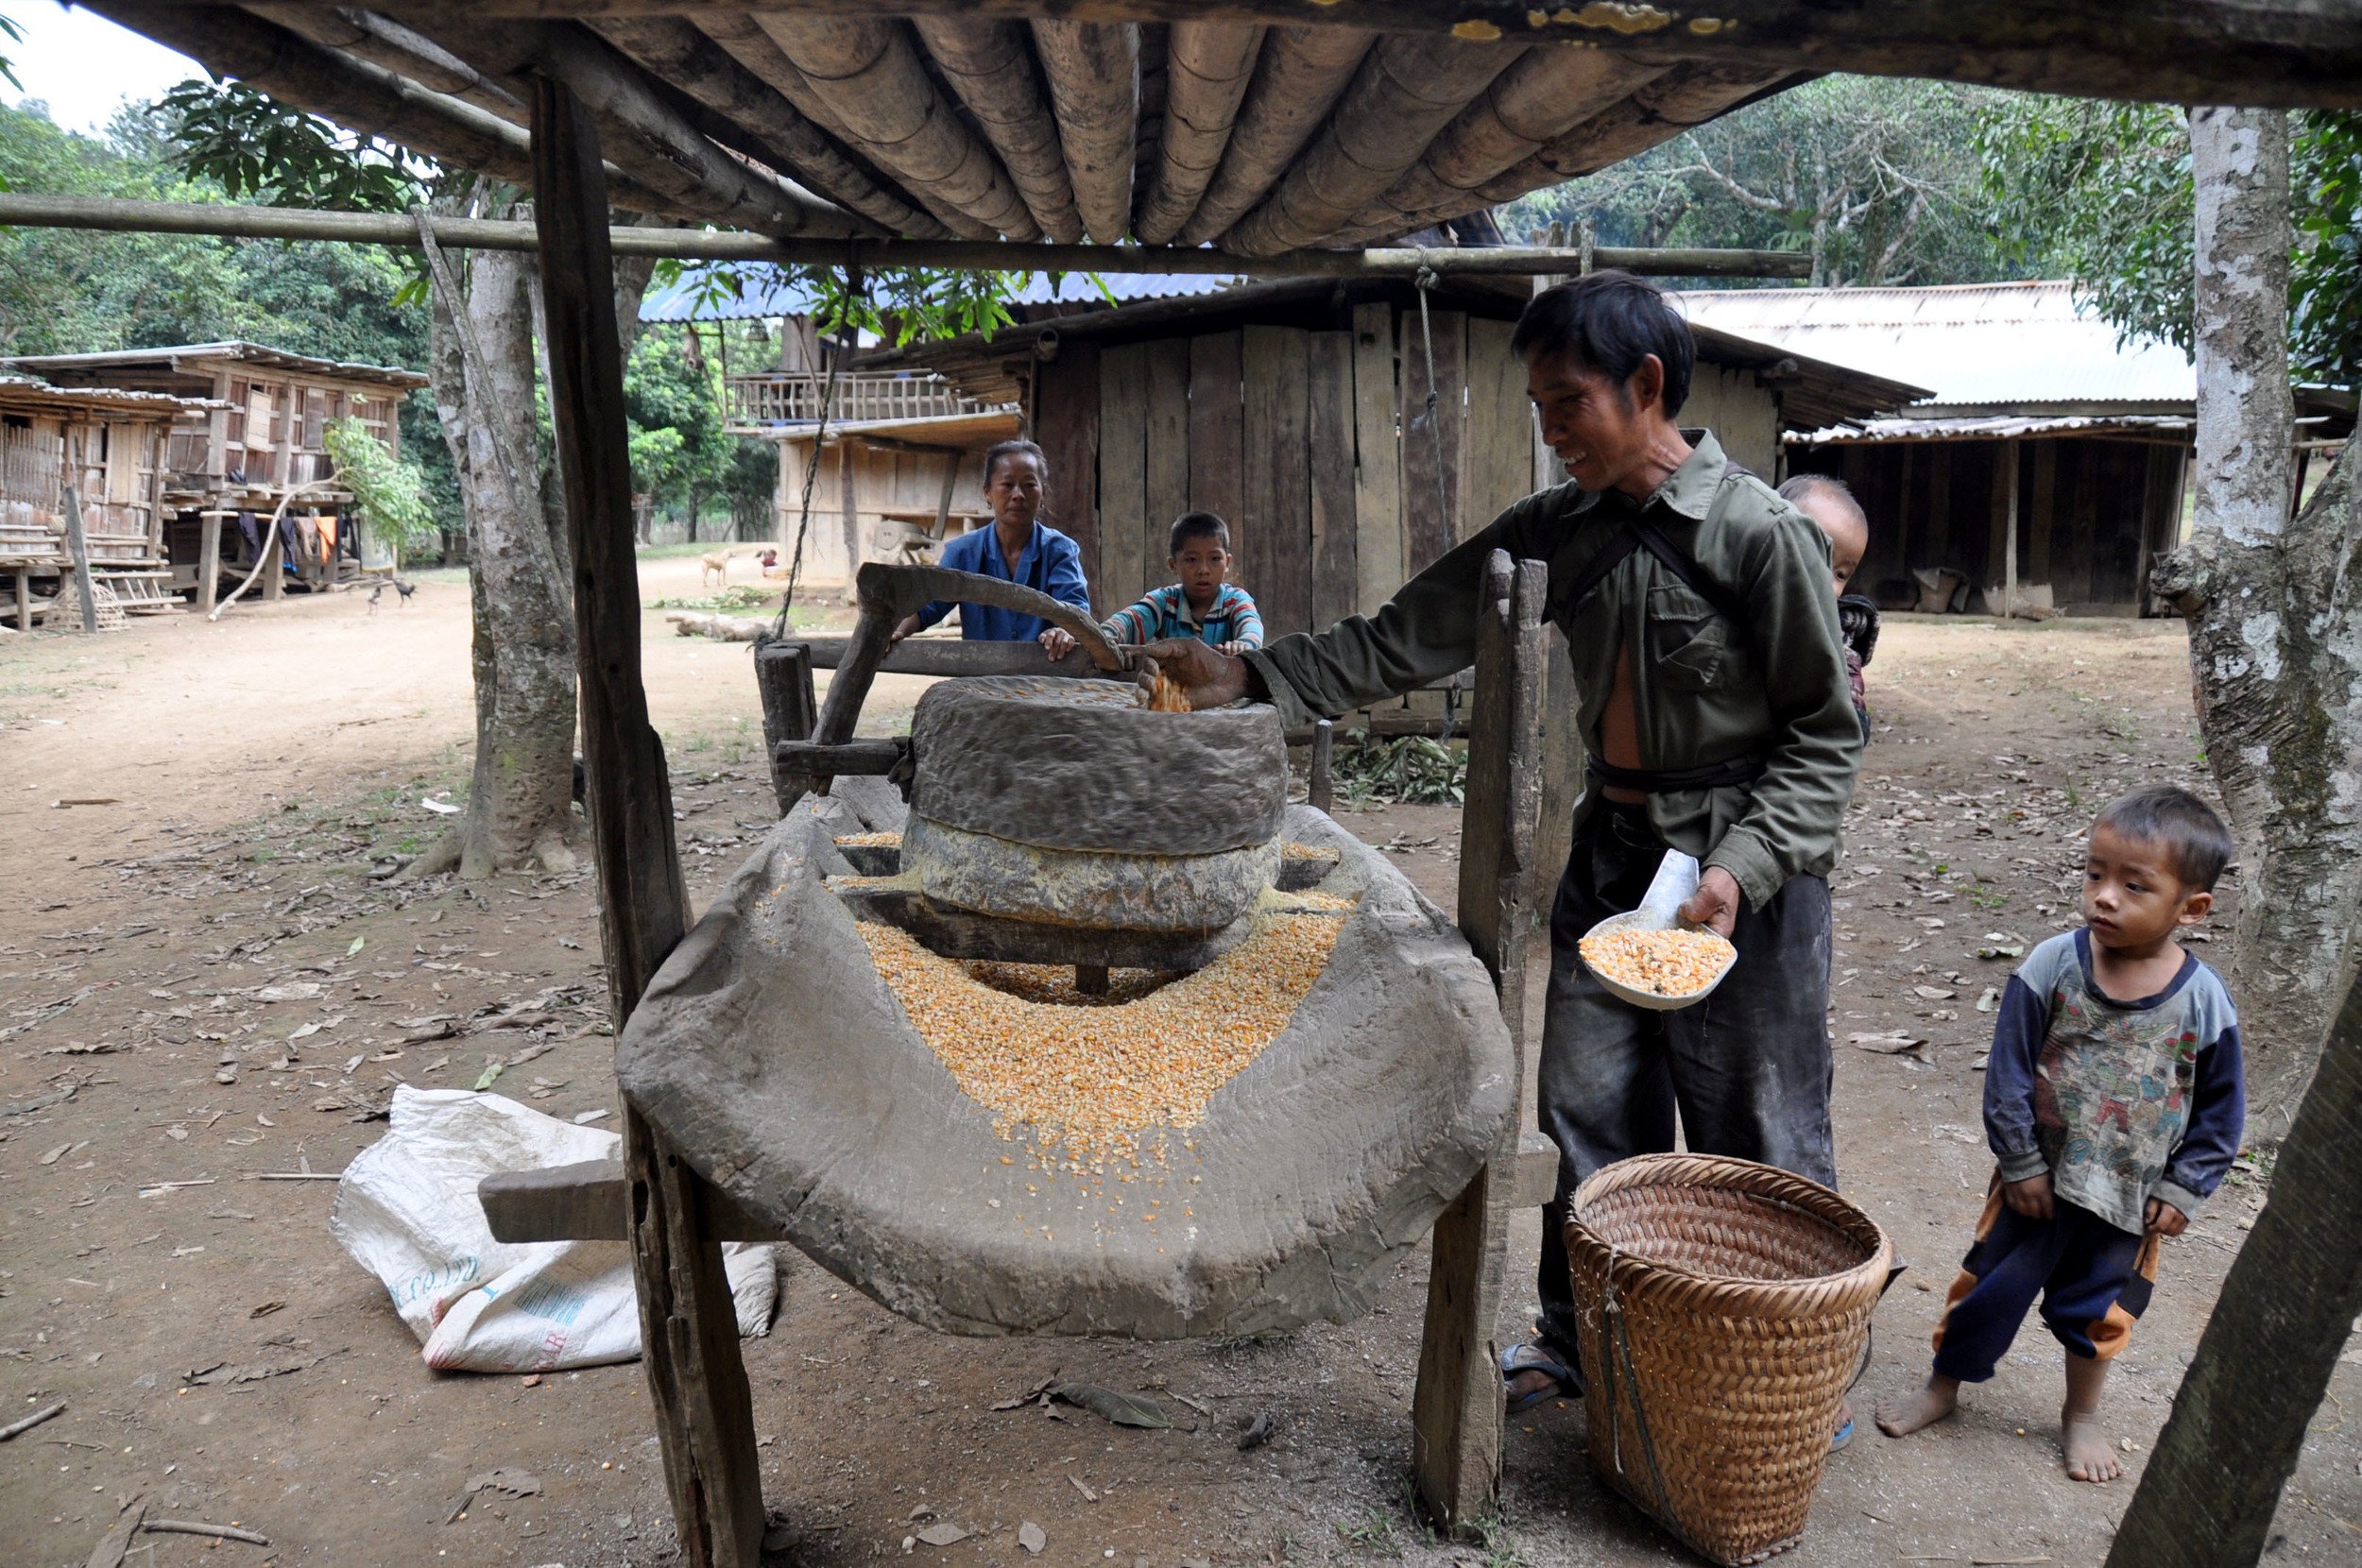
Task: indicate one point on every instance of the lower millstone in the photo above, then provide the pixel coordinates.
(1081, 887)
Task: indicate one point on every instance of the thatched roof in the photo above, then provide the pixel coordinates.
(805, 123)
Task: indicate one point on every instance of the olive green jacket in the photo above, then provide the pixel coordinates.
(1703, 691)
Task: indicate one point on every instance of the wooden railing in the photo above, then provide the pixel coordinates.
(793, 398)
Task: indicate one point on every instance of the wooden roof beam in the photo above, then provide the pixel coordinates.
(1543, 96)
(1406, 92)
(1657, 111)
(1208, 67)
(383, 41)
(2283, 54)
(1298, 79)
(1094, 77)
(990, 65)
(869, 74)
(109, 215)
(645, 133)
(778, 131)
(336, 85)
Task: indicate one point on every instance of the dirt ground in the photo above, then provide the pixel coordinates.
(248, 771)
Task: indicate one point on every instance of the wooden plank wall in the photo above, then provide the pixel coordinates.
(1315, 445)
(1065, 427)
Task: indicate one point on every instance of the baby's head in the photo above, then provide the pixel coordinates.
(2152, 865)
(1829, 502)
(1200, 553)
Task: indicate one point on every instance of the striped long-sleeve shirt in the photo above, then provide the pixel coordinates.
(1165, 612)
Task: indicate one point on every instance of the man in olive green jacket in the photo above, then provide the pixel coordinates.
(1714, 709)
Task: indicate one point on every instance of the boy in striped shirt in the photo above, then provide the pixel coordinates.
(1202, 604)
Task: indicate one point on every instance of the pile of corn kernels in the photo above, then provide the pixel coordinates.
(1664, 963)
(1091, 1079)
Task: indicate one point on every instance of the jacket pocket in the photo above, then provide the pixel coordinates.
(1688, 642)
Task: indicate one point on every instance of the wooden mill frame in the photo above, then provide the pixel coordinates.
(674, 1221)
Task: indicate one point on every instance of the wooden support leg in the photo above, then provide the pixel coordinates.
(1323, 788)
(688, 1334)
(23, 599)
(274, 561)
(208, 560)
(790, 707)
(1456, 1409)
(688, 1325)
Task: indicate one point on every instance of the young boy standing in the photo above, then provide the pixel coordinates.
(2113, 1102)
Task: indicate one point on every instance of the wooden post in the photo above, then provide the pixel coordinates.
(23, 599)
(783, 676)
(689, 1327)
(1323, 788)
(77, 548)
(209, 556)
(1456, 1409)
(2009, 536)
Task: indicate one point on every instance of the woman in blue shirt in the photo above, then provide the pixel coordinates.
(1018, 548)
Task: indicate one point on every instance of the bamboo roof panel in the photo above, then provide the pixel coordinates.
(813, 121)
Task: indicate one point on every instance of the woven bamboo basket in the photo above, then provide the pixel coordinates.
(1723, 1308)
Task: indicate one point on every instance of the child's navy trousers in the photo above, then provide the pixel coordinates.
(2094, 1280)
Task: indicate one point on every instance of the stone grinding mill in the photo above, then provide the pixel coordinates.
(1270, 1064)
(803, 1065)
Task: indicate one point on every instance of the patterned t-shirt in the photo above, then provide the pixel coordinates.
(2121, 1101)
(1165, 612)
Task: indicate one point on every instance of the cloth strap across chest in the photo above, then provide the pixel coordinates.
(1638, 534)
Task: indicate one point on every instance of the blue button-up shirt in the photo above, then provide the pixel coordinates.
(1051, 563)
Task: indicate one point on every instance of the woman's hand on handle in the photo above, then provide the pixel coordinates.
(902, 628)
(1207, 676)
(1057, 642)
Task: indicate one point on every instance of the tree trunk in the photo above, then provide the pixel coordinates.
(481, 356)
(2209, 1495)
(2275, 615)
(519, 806)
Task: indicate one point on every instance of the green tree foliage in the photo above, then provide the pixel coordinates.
(679, 455)
(389, 490)
(66, 291)
(2103, 193)
(1875, 179)
(257, 149)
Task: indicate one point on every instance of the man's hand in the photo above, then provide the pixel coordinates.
(1715, 904)
(2162, 1218)
(2032, 1197)
(902, 628)
(1208, 676)
(1057, 642)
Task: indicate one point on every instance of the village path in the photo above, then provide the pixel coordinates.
(259, 763)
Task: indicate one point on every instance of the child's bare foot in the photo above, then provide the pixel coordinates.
(2089, 1455)
(1900, 1417)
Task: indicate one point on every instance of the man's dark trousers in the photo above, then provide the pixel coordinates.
(1748, 1069)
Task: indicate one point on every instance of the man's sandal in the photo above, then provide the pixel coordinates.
(1536, 1356)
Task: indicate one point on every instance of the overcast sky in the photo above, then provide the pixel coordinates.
(83, 65)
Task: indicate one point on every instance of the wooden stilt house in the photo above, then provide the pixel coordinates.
(264, 442)
(96, 458)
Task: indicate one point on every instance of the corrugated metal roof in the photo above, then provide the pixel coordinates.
(257, 353)
(19, 393)
(1978, 344)
(1999, 427)
(769, 291)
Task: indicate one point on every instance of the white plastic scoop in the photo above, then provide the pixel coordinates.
(1675, 884)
